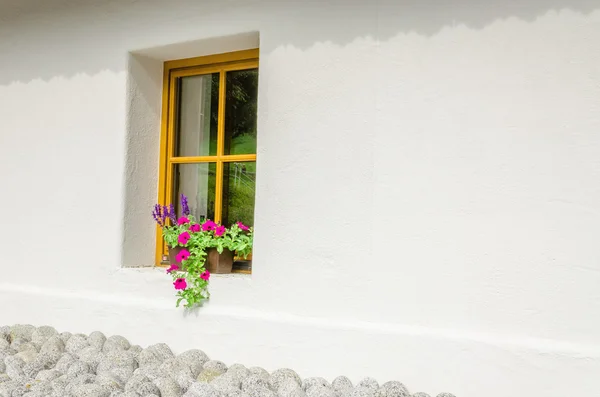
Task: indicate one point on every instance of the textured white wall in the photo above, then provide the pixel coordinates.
(427, 202)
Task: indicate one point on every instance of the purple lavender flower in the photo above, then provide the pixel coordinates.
(157, 215)
(165, 214)
(172, 214)
(184, 205)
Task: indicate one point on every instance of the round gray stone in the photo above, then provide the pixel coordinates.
(117, 359)
(445, 395)
(260, 372)
(14, 368)
(320, 391)
(28, 356)
(76, 369)
(253, 381)
(194, 359)
(76, 343)
(208, 375)
(369, 383)
(393, 389)
(48, 375)
(65, 362)
(259, 392)
(65, 336)
(4, 345)
(152, 372)
(289, 387)
(202, 390)
(168, 387)
(42, 334)
(115, 342)
(216, 365)
(362, 392)
(420, 394)
(96, 339)
(342, 384)
(91, 356)
(29, 346)
(239, 371)
(109, 382)
(226, 383)
(154, 355)
(281, 375)
(24, 331)
(89, 390)
(309, 383)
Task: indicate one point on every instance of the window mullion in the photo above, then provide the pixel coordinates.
(220, 148)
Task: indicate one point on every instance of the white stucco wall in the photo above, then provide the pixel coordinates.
(428, 206)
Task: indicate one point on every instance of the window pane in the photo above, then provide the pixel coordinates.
(197, 117)
(197, 182)
(238, 192)
(240, 111)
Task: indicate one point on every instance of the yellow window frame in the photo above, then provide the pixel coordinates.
(221, 63)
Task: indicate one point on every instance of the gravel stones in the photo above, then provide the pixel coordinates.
(202, 390)
(40, 335)
(194, 360)
(342, 385)
(168, 387)
(40, 362)
(21, 331)
(76, 343)
(279, 376)
(393, 389)
(96, 340)
(115, 342)
(154, 355)
(310, 383)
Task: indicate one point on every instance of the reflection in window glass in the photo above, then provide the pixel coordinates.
(198, 115)
(239, 187)
(197, 182)
(240, 111)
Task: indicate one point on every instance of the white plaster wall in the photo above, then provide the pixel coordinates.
(427, 202)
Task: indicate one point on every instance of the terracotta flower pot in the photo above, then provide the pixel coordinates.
(215, 263)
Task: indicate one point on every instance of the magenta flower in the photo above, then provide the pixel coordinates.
(172, 268)
(208, 225)
(219, 230)
(195, 228)
(183, 238)
(180, 283)
(205, 275)
(183, 220)
(242, 226)
(182, 255)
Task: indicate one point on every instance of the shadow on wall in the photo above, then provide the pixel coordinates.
(84, 37)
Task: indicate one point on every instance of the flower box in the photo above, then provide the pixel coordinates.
(215, 263)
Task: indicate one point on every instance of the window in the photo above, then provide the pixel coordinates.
(208, 141)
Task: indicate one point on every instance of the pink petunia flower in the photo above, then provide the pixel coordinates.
(183, 238)
(208, 225)
(195, 228)
(180, 283)
(182, 255)
(172, 268)
(219, 230)
(242, 226)
(183, 220)
(205, 275)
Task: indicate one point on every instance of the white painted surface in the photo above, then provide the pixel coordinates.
(428, 199)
